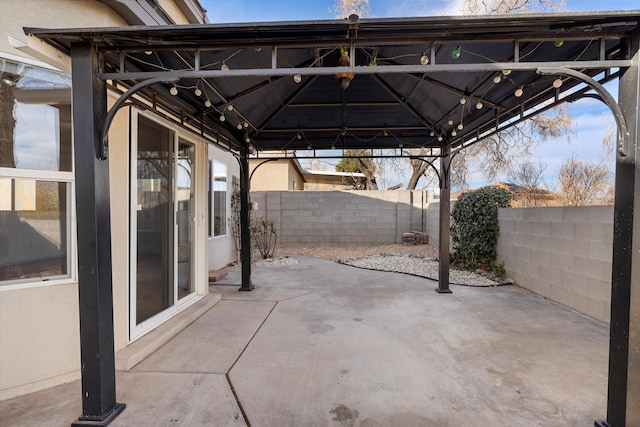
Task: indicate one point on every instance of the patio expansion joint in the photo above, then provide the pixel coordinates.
(233, 390)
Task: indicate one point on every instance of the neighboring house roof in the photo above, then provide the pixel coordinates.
(333, 178)
(311, 176)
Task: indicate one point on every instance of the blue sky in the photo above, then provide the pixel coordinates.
(592, 119)
(286, 10)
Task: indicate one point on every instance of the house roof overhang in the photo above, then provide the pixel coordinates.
(414, 82)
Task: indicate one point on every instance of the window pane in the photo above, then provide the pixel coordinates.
(33, 229)
(35, 118)
(219, 199)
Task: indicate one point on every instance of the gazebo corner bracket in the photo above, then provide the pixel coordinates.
(607, 98)
(103, 149)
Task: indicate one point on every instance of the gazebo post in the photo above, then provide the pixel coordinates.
(445, 220)
(245, 220)
(624, 338)
(99, 406)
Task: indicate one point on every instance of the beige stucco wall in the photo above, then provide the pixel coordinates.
(119, 194)
(173, 11)
(222, 250)
(277, 175)
(39, 325)
(39, 328)
(16, 14)
(39, 338)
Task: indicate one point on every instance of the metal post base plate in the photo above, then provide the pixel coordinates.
(247, 288)
(602, 424)
(117, 409)
(443, 291)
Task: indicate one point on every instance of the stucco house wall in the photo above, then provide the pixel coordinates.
(39, 328)
(276, 174)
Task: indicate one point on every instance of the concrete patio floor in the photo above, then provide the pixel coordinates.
(323, 344)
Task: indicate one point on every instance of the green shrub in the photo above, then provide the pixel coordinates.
(474, 227)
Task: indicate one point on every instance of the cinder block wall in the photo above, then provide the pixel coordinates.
(342, 218)
(561, 253)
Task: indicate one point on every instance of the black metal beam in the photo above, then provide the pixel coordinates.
(623, 407)
(245, 220)
(99, 406)
(445, 219)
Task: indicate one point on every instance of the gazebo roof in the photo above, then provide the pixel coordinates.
(416, 82)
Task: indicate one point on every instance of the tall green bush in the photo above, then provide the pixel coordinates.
(474, 227)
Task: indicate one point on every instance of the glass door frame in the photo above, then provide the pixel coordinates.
(198, 256)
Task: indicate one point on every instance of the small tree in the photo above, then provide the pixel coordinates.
(264, 236)
(528, 175)
(474, 227)
(582, 183)
(359, 161)
(345, 8)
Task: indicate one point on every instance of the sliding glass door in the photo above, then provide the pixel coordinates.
(162, 224)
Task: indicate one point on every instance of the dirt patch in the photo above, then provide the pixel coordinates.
(343, 254)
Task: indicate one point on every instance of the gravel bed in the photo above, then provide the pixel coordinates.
(419, 267)
(418, 260)
(276, 261)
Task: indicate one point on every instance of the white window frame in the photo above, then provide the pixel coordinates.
(211, 207)
(72, 264)
(50, 176)
(136, 331)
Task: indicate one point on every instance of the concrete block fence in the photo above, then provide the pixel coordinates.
(341, 218)
(561, 253)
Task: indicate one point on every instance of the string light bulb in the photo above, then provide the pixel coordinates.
(245, 125)
(400, 145)
(239, 126)
(230, 107)
(479, 105)
(197, 92)
(247, 140)
(450, 122)
(424, 59)
(558, 43)
(174, 90)
(455, 53)
(432, 133)
(463, 101)
(454, 133)
(506, 72)
(557, 83)
(518, 93)
(207, 103)
(440, 138)
(148, 52)
(497, 79)
(297, 78)
(460, 126)
(222, 118)
(224, 66)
